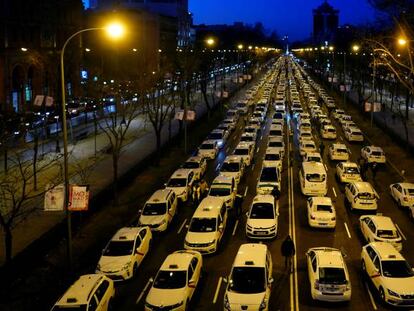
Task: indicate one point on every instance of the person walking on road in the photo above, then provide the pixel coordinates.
(321, 148)
(203, 188)
(288, 251)
(196, 192)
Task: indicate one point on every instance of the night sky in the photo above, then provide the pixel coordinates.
(288, 17)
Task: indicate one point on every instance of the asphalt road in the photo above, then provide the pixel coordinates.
(288, 291)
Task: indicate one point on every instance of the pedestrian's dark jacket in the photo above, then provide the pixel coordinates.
(288, 248)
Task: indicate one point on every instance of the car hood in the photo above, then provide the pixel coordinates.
(230, 174)
(112, 263)
(261, 223)
(151, 219)
(237, 300)
(400, 285)
(177, 190)
(200, 237)
(165, 297)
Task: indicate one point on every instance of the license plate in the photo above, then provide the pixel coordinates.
(322, 224)
(261, 232)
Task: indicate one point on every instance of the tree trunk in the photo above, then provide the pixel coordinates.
(407, 105)
(8, 243)
(158, 142)
(6, 157)
(115, 174)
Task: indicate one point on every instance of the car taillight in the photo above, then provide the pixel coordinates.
(312, 217)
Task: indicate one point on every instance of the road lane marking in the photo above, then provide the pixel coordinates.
(245, 191)
(217, 167)
(370, 297)
(143, 292)
(402, 234)
(347, 230)
(235, 227)
(340, 137)
(182, 226)
(334, 191)
(217, 290)
(261, 137)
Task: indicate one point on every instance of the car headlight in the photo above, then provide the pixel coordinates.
(162, 222)
(212, 242)
(393, 293)
(126, 266)
(176, 305)
(226, 302)
(263, 304)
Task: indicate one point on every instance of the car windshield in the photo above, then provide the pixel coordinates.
(390, 234)
(315, 177)
(351, 170)
(170, 279)
(215, 136)
(275, 132)
(154, 209)
(331, 130)
(309, 146)
(247, 280)
(305, 134)
(203, 225)
(396, 269)
(341, 150)
(207, 146)
(262, 211)
(269, 174)
(324, 208)
(119, 248)
(376, 153)
(272, 157)
(230, 167)
(275, 144)
(409, 191)
(332, 276)
(314, 159)
(177, 182)
(246, 138)
(241, 152)
(250, 130)
(191, 165)
(219, 192)
(366, 196)
(69, 308)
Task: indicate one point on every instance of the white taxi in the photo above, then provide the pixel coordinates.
(378, 228)
(321, 212)
(175, 282)
(181, 182)
(348, 172)
(124, 253)
(312, 157)
(269, 179)
(353, 134)
(307, 146)
(328, 132)
(403, 194)
(277, 143)
(245, 152)
(197, 164)
(328, 274)
(208, 149)
(361, 195)
(232, 166)
(338, 152)
(224, 187)
(389, 272)
(250, 280)
(373, 154)
(262, 218)
(273, 157)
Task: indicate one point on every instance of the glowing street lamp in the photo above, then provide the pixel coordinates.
(114, 31)
(355, 48)
(402, 41)
(210, 41)
(240, 46)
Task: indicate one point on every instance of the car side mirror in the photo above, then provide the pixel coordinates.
(151, 280)
(221, 227)
(271, 280)
(225, 280)
(247, 214)
(187, 226)
(165, 184)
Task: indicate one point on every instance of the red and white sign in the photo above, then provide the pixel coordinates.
(49, 101)
(376, 107)
(225, 94)
(367, 106)
(78, 198)
(54, 199)
(191, 115)
(179, 115)
(38, 101)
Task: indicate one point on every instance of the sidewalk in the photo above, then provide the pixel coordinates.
(137, 150)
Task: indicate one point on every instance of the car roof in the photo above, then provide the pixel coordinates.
(179, 260)
(251, 254)
(339, 145)
(266, 198)
(181, 173)
(363, 186)
(322, 200)
(222, 179)
(159, 195)
(197, 159)
(310, 167)
(209, 207)
(276, 138)
(79, 292)
(383, 222)
(217, 131)
(232, 158)
(209, 141)
(243, 145)
(126, 234)
(386, 251)
(407, 185)
(349, 164)
(328, 257)
(313, 154)
(375, 148)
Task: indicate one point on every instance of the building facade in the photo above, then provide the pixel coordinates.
(325, 23)
(32, 33)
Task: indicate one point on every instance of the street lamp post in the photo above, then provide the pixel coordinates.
(115, 30)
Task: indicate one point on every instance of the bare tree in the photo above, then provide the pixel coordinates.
(18, 197)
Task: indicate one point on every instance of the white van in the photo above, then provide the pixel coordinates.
(313, 179)
(207, 226)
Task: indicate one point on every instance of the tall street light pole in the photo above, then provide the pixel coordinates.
(114, 30)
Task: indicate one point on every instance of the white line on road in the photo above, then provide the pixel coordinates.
(402, 234)
(228, 148)
(217, 167)
(347, 230)
(261, 137)
(182, 226)
(235, 227)
(245, 191)
(143, 292)
(340, 137)
(370, 297)
(217, 289)
(334, 191)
